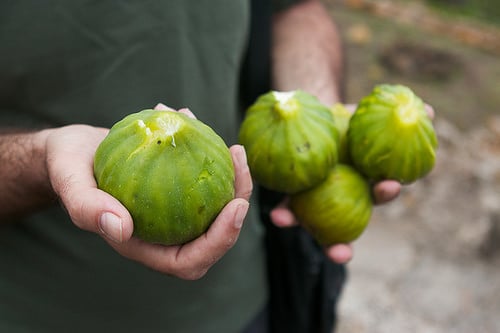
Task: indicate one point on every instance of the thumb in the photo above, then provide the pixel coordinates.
(72, 178)
(92, 209)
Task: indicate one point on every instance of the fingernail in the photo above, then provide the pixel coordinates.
(241, 157)
(111, 226)
(240, 214)
(160, 106)
(163, 107)
(187, 112)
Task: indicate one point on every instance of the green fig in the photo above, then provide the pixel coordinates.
(173, 173)
(338, 209)
(391, 135)
(341, 118)
(290, 140)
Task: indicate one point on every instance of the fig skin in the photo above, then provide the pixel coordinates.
(391, 136)
(341, 119)
(173, 173)
(337, 210)
(290, 140)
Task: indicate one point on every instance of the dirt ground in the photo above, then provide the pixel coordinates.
(430, 260)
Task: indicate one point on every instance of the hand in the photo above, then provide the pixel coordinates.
(383, 192)
(70, 155)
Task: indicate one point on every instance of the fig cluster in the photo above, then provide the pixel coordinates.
(326, 158)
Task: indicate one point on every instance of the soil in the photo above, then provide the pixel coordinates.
(429, 260)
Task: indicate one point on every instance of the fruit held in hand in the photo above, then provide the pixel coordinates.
(341, 118)
(338, 209)
(391, 135)
(173, 173)
(290, 140)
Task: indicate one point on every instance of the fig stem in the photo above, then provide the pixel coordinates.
(286, 105)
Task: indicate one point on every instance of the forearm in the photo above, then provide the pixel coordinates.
(25, 185)
(307, 52)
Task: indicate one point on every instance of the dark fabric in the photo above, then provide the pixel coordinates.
(304, 285)
(256, 68)
(94, 62)
(259, 324)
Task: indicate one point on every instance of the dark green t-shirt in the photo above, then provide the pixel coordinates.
(93, 62)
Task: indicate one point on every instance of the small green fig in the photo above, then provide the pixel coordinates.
(290, 140)
(173, 173)
(338, 209)
(391, 135)
(341, 118)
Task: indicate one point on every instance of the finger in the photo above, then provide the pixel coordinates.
(72, 178)
(351, 107)
(163, 107)
(430, 111)
(187, 112)
(206, 250)
(243, 181)
(90, 208)
(191, 260)
(282, 216)
(386, 191)
(340, 253)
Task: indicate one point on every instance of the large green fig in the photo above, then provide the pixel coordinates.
(290, 140)
(338, 209)
(173, 173)
(391, 135)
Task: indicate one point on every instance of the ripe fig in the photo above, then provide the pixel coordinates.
(338, 209)
(173, 173)
(341, 118)
(391, 135)
(290, 140)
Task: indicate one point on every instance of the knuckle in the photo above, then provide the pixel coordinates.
(72, 203)
(192, 274)
(194, 269)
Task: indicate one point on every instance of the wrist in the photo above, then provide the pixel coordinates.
(25, 182)
(307, 53)
(39, 145)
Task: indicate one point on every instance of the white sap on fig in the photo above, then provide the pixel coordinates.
(283, 96)
(141, 124)
(164, 126)
(169, 125)
(286, 105)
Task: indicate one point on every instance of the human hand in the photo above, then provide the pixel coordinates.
(383, 192)
(70, 156)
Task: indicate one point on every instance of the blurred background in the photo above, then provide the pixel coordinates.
(430, 260)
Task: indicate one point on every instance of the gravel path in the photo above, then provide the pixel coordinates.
(430, 261)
